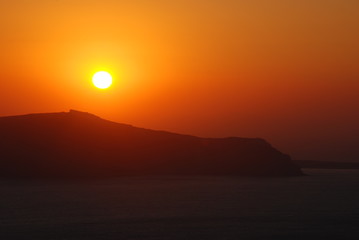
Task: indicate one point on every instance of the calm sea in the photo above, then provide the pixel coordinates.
(323, 205)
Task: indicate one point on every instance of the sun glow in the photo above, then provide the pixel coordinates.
(102, 80)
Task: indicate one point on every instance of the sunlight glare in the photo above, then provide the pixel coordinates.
(102, 80)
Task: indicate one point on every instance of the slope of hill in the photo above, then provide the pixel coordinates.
(77, 144)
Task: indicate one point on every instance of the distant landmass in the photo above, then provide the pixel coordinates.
(327, 164)
(77, 144)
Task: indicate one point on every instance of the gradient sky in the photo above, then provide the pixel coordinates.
(286, 71)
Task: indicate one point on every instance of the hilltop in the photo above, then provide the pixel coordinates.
(78, 144)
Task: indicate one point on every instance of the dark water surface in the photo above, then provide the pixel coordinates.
(324, 205)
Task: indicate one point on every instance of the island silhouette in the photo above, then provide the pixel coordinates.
(78, 144)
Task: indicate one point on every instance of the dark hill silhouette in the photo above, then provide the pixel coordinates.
(77, 144)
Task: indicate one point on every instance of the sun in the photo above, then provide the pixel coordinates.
(102, 80)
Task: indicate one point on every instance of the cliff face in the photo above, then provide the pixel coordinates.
(76, 144)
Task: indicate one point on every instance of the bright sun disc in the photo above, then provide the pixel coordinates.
(102, 80)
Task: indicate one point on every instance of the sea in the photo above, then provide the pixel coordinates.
(322, 205)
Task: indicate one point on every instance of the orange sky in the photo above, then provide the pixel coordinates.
(287, 71)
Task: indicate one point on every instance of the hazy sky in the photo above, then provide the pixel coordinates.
(286, 71)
